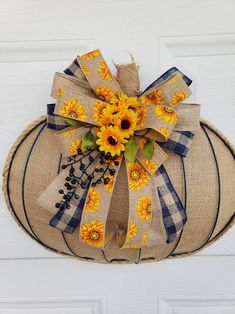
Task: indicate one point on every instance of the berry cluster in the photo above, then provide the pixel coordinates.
(100, 174)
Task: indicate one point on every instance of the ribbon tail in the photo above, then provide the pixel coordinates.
(68, 220)
(173, 211)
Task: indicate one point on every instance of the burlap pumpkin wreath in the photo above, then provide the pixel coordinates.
(116, 175)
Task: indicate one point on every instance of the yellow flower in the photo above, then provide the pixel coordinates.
(137, 176)
(141, 113)
(174, 79)
(90, 55)
(153, 98)
(164, 131)
(178, 97)
(75, 145)
(85, 70)
(69, 134)
(109, 187)
(130, 247)
(109, 114)
(126, 122)
(144, 208)
(144, 240)
(104, 93)
(123, 101)
(60, 92)
(98, 110)
(93, 201)
(150, 165)
(166, 113)
(93, 233)
(132, 230)
(73, 109)
(110, 140)
(104, 71)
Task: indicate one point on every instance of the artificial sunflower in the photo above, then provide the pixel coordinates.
(166, 113)
(104, 71)
(90, 55)
(104, 93)
(93, 233)
(93, 201)
(150, 165)
(110, 140)
(98, 110)
(126, 122)
(153, 98)
(178, 97)
(73, 109)
(109, 114)
(144, 208)
(132, 230)
(75, 145)
(137, 176)
(123, 101)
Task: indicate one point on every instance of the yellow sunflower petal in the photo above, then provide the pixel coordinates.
(110, 140)
(166, 113)
(92, 233)
(93, 201)
(73, 109)
(144, 208)
(137, 176)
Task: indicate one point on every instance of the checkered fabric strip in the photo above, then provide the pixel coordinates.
(173, 211)
(179, 142)
(72, 68)
(67, 220)
(54, 122)
(166, 75)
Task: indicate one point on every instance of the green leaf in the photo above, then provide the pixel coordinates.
(88, 140)
(73, 122)
(131, 150)
(148, 149)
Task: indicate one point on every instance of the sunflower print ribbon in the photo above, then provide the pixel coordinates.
(116, 122)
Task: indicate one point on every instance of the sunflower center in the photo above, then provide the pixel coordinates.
(135, 174)
(168, 109)
(73, 114)
(125, 124)
(112, 141)
(94, 235)
(149, 208)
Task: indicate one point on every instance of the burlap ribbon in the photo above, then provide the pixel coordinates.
(88, 202)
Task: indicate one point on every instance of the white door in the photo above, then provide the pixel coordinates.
(40, 37)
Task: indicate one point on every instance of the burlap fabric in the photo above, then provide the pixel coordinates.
(204, 180)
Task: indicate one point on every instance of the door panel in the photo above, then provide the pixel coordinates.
(38, 38)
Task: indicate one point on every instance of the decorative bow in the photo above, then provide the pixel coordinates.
(102, 130)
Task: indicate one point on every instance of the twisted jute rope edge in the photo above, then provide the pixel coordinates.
(43, 118)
